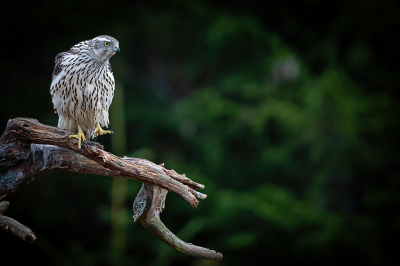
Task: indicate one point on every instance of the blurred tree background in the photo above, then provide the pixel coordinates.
(286, 111)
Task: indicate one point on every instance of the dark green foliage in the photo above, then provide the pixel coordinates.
(286, 112)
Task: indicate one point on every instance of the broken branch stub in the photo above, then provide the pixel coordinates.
(12, 226)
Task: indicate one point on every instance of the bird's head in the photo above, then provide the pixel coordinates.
(104, 47)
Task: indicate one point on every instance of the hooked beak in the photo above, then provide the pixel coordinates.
(116, 50)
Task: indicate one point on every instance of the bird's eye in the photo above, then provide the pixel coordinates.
(106, 43)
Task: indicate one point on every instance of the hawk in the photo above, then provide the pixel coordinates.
(83, 86)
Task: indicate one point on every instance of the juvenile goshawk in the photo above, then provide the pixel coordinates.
(83, 87)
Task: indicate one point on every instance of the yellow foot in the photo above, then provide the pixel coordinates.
(80, 136)
(99, 131)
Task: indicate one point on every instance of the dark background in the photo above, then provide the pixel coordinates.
(286, 111)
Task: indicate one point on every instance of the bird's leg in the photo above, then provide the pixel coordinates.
(99, 131)
(80, 136)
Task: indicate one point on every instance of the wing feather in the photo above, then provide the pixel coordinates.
(58, 61)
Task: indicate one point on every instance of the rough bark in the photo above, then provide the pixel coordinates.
(148, 206)
(10, 225)
(28, 147)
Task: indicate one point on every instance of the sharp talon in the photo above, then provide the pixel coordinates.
(111, 132)
(99, 131)
(95, 139)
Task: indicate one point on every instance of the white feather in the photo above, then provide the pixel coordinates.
(77, 93)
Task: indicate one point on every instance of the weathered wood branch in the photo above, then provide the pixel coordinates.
(154, 196)
(10, 225)
(28, 147)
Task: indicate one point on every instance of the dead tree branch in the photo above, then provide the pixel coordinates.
(10, 225)
(28, 147)
(154, 197)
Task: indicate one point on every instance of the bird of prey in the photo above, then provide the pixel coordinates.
(83, 86)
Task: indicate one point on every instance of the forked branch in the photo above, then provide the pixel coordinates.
(28, 147)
